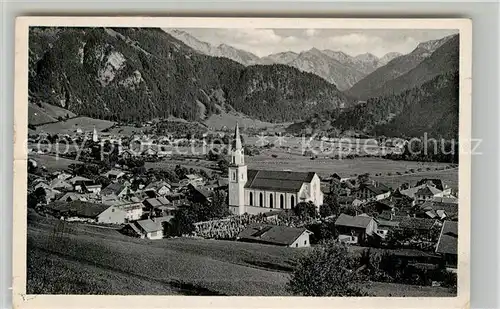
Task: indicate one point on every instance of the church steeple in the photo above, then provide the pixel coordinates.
(95, 137)
(237, 138)
(237, 155)
(237, 174)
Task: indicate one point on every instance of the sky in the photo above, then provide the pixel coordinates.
(263, 42)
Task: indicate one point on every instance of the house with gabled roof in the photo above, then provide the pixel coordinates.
(276, 235)
(144, 229)
(372, 192)
(355, 229)
(87, 211)
(447, 244)
(60, 184)
(115, 190)
(160, 188)
(259, 191)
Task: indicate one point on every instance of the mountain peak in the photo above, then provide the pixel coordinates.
(432, 45)
(367, 57)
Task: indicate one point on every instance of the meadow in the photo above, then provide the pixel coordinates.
(53, 163)
(82, 259)
(70, 126)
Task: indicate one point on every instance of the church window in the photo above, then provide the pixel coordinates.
(233, 160)
(251, 199)
(282, 201)
(270, 200)
(292, 202)
(261, 199)
(234, 175)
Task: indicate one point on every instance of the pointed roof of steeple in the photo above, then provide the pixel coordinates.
(237, 143)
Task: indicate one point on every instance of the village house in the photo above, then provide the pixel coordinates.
(77, 179)
(276, 235)
(115, 191)
(114, 174)
(133, 211)
(192, 179)
(128, 154)
(355, 229)
(87, 211)
(160, 188)
(422, 226)
(384, 226)
(144, 229)
(258, 191)
(372, 192)
(440, 210)
(76, 196)
(447, 244)
(91, 187)
(62, 175)
(59, 184)
(425, 194)
(160, 206)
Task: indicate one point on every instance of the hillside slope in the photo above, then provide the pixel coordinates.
(370, 85)
(431, 108)
(113, 73)
(316, 62)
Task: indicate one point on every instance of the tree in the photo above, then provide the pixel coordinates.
(325, 210)
(329, 270)
(332, 206)
(305, 210)
(223, 165)
(182, 223)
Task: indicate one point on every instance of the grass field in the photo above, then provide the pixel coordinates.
(53, 163)
(81, 259)
(45, 113)
(356, 166)
(184, 266)
(70, 126)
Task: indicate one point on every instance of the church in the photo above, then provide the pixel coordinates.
(258, 191)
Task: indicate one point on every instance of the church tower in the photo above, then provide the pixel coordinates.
(237, 175)
(95, 138)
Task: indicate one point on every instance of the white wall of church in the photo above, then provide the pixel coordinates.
(253, 198)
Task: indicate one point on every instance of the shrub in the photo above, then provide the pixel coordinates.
(329, 270)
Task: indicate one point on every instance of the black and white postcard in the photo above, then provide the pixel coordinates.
(290, 162)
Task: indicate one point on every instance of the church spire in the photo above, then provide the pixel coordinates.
(237, 143)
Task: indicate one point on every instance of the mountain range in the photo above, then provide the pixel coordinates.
(422, 100)
(373, 84)
(114, 73)
(334, 66)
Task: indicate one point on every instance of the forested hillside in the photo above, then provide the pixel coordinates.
(380, 81)
(133, 74)
(430, 108)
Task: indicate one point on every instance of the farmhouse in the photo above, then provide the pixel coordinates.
(86, 211)
(372, 192)
(355, 229)
(447, 244)
(145, 229)
(114, 174)
(59, 184)
(258, 191)
(115, 190)
(133, 211)
(159, 188)
(276, 235)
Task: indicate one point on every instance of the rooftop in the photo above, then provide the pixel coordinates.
(357, 221)
(272, 234)
(448, 239)
(277, 180)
